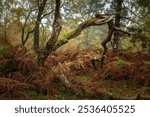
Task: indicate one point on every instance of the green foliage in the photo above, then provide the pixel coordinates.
(121, 63)
(3, 50)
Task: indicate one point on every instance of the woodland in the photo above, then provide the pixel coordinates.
(75, 49)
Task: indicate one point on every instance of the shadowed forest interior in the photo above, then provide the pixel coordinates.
(75, 49)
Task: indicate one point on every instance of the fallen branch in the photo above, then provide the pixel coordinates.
(69, 87)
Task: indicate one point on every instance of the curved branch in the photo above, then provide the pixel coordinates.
(112, 29)
(92, 22)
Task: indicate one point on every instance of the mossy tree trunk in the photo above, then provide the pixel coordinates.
(53, 44)
(43, 54)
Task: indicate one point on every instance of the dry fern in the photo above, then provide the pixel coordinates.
(5, 84)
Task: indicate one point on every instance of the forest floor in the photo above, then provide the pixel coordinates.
(71, 75)
(123, 76)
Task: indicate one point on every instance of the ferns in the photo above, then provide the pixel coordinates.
(22, 76)
(69, 73)
(6, 85)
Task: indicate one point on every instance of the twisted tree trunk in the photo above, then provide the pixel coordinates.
(52, 44)
(43, 54)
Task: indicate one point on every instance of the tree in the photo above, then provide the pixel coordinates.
(53, 44)
(117, 23)
(56, 31)
(81, 12)
(5, 6)
(41, 6)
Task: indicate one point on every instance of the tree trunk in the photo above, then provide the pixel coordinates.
(37, 25)
(36, 38)
(24, 37)
(43, 54)
(5, 27)
(52, 44)
(117, 24)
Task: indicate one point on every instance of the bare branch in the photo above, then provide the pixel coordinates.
(27, 36)
(24, 26)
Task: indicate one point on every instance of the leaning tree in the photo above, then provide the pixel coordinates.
(53, 42)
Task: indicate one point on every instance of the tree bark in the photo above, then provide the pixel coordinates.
(117, 24)
(23, 37)
(37, 25)
(92, 22)
(52, 44)
(112, 29)
(5, 26)
(43, 54)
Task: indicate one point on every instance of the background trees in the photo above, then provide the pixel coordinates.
(34, 23)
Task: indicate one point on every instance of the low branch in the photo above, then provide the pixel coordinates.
(112, 29)
(123, 31)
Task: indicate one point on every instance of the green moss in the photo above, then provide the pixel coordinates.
(89, 22)
(65, 37)
(62, 39)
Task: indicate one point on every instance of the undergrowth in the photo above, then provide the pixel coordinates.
(71, 75)
(20, 76)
